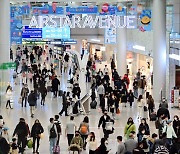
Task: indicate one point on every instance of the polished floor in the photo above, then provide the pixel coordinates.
(53, 106)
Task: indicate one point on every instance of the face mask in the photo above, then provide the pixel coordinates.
(175, 118)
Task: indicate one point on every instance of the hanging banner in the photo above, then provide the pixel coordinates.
(110, 36)
(31, 32)
(17, 11)
(16, 31)
(145, 23)
(107, 9)
(82, 10)
(47, 9)
(56, 33)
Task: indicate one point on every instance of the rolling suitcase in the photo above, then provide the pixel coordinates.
(60, 93)
(75, 108)
(93, 104)
(145, 109)
(56, 149)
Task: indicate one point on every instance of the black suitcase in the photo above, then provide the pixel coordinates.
(153, 116)
(60, 93)
(75, 108)
(93, 104)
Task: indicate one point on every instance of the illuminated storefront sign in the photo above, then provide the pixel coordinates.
(101, 21)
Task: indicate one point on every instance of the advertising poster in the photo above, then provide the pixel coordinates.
(121, 10)
(56, 33)
(47, 9)
(18, 11)
(16, 31)
(107, 9)
(145, 23)
(82, 10)
(31, 32)
(110, 36)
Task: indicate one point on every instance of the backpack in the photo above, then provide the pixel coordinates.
(58, 127)
(83, 129)
(53, 133)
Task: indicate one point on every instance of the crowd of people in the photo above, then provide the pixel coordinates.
(108, 91)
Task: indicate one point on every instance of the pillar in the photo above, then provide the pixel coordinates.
(4, 31)
(159, 49)
(121, 51)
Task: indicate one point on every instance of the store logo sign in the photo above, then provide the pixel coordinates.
(102, 21)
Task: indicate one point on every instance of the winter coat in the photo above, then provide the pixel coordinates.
(100, 90)
(130, 97)
(55, 84)
(24, 92)
(150, 103)
(32, 99)
(169, 130)
(176, 126)
(144, 126)
(36, 130)
(103, 121)
(128, 129)
(162, 111)
(21, 129)
(76, 91)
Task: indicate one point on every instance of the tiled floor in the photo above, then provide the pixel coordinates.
(53, 106)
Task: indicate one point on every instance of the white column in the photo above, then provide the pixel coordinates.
(121, 51)
(4, 30)
(159, 48)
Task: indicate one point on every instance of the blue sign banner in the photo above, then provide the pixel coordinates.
(82, 10)
(17, 11)
(16, 31)
(31, 32)
(56, 33)
(108, 10)
(47, 10)
(110, 36)
(145, 21)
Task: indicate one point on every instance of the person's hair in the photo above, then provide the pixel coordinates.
(71, 118)
(119, 138)
(51, 119)
(176, 116)
(86, 119)
(154, 135)
(140, 97)
(144, 120)
(128, 122)
(103, 140)
(14, 139)
(37, 120)
(56, 117)
(92, 138)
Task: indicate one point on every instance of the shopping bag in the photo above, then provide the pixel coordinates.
(30, 143)
(56, 149)
(118, 111)
(41, 136)
(20, 100)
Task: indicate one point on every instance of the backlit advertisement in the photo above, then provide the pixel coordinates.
(56, 33)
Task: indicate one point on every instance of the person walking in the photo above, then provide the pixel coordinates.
(9, 95)
(102, 121)
(135, 87)
(21, 131)
(52, 131)
(70, 130)
(32, 98)
(43, 92)
(92, 143)
(151, 105)
(100, 91)
(176, 125)
(55, 86)
(65, 105)
(130, 126)
(131, 97)
(140, 104)
(58, 127)
(84, 130)
(121, 146)
(24, 94)
(36, 132)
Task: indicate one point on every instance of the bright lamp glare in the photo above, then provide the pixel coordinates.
(174, 56)
(138, 47)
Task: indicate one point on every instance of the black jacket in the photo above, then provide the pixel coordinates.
(55, 84)
(102, 150)
(4, 146)
(32, 98)
(76, 91)
(21, 129)
(130, 97)
(162, 111)
(36, 130)
(102, 121)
